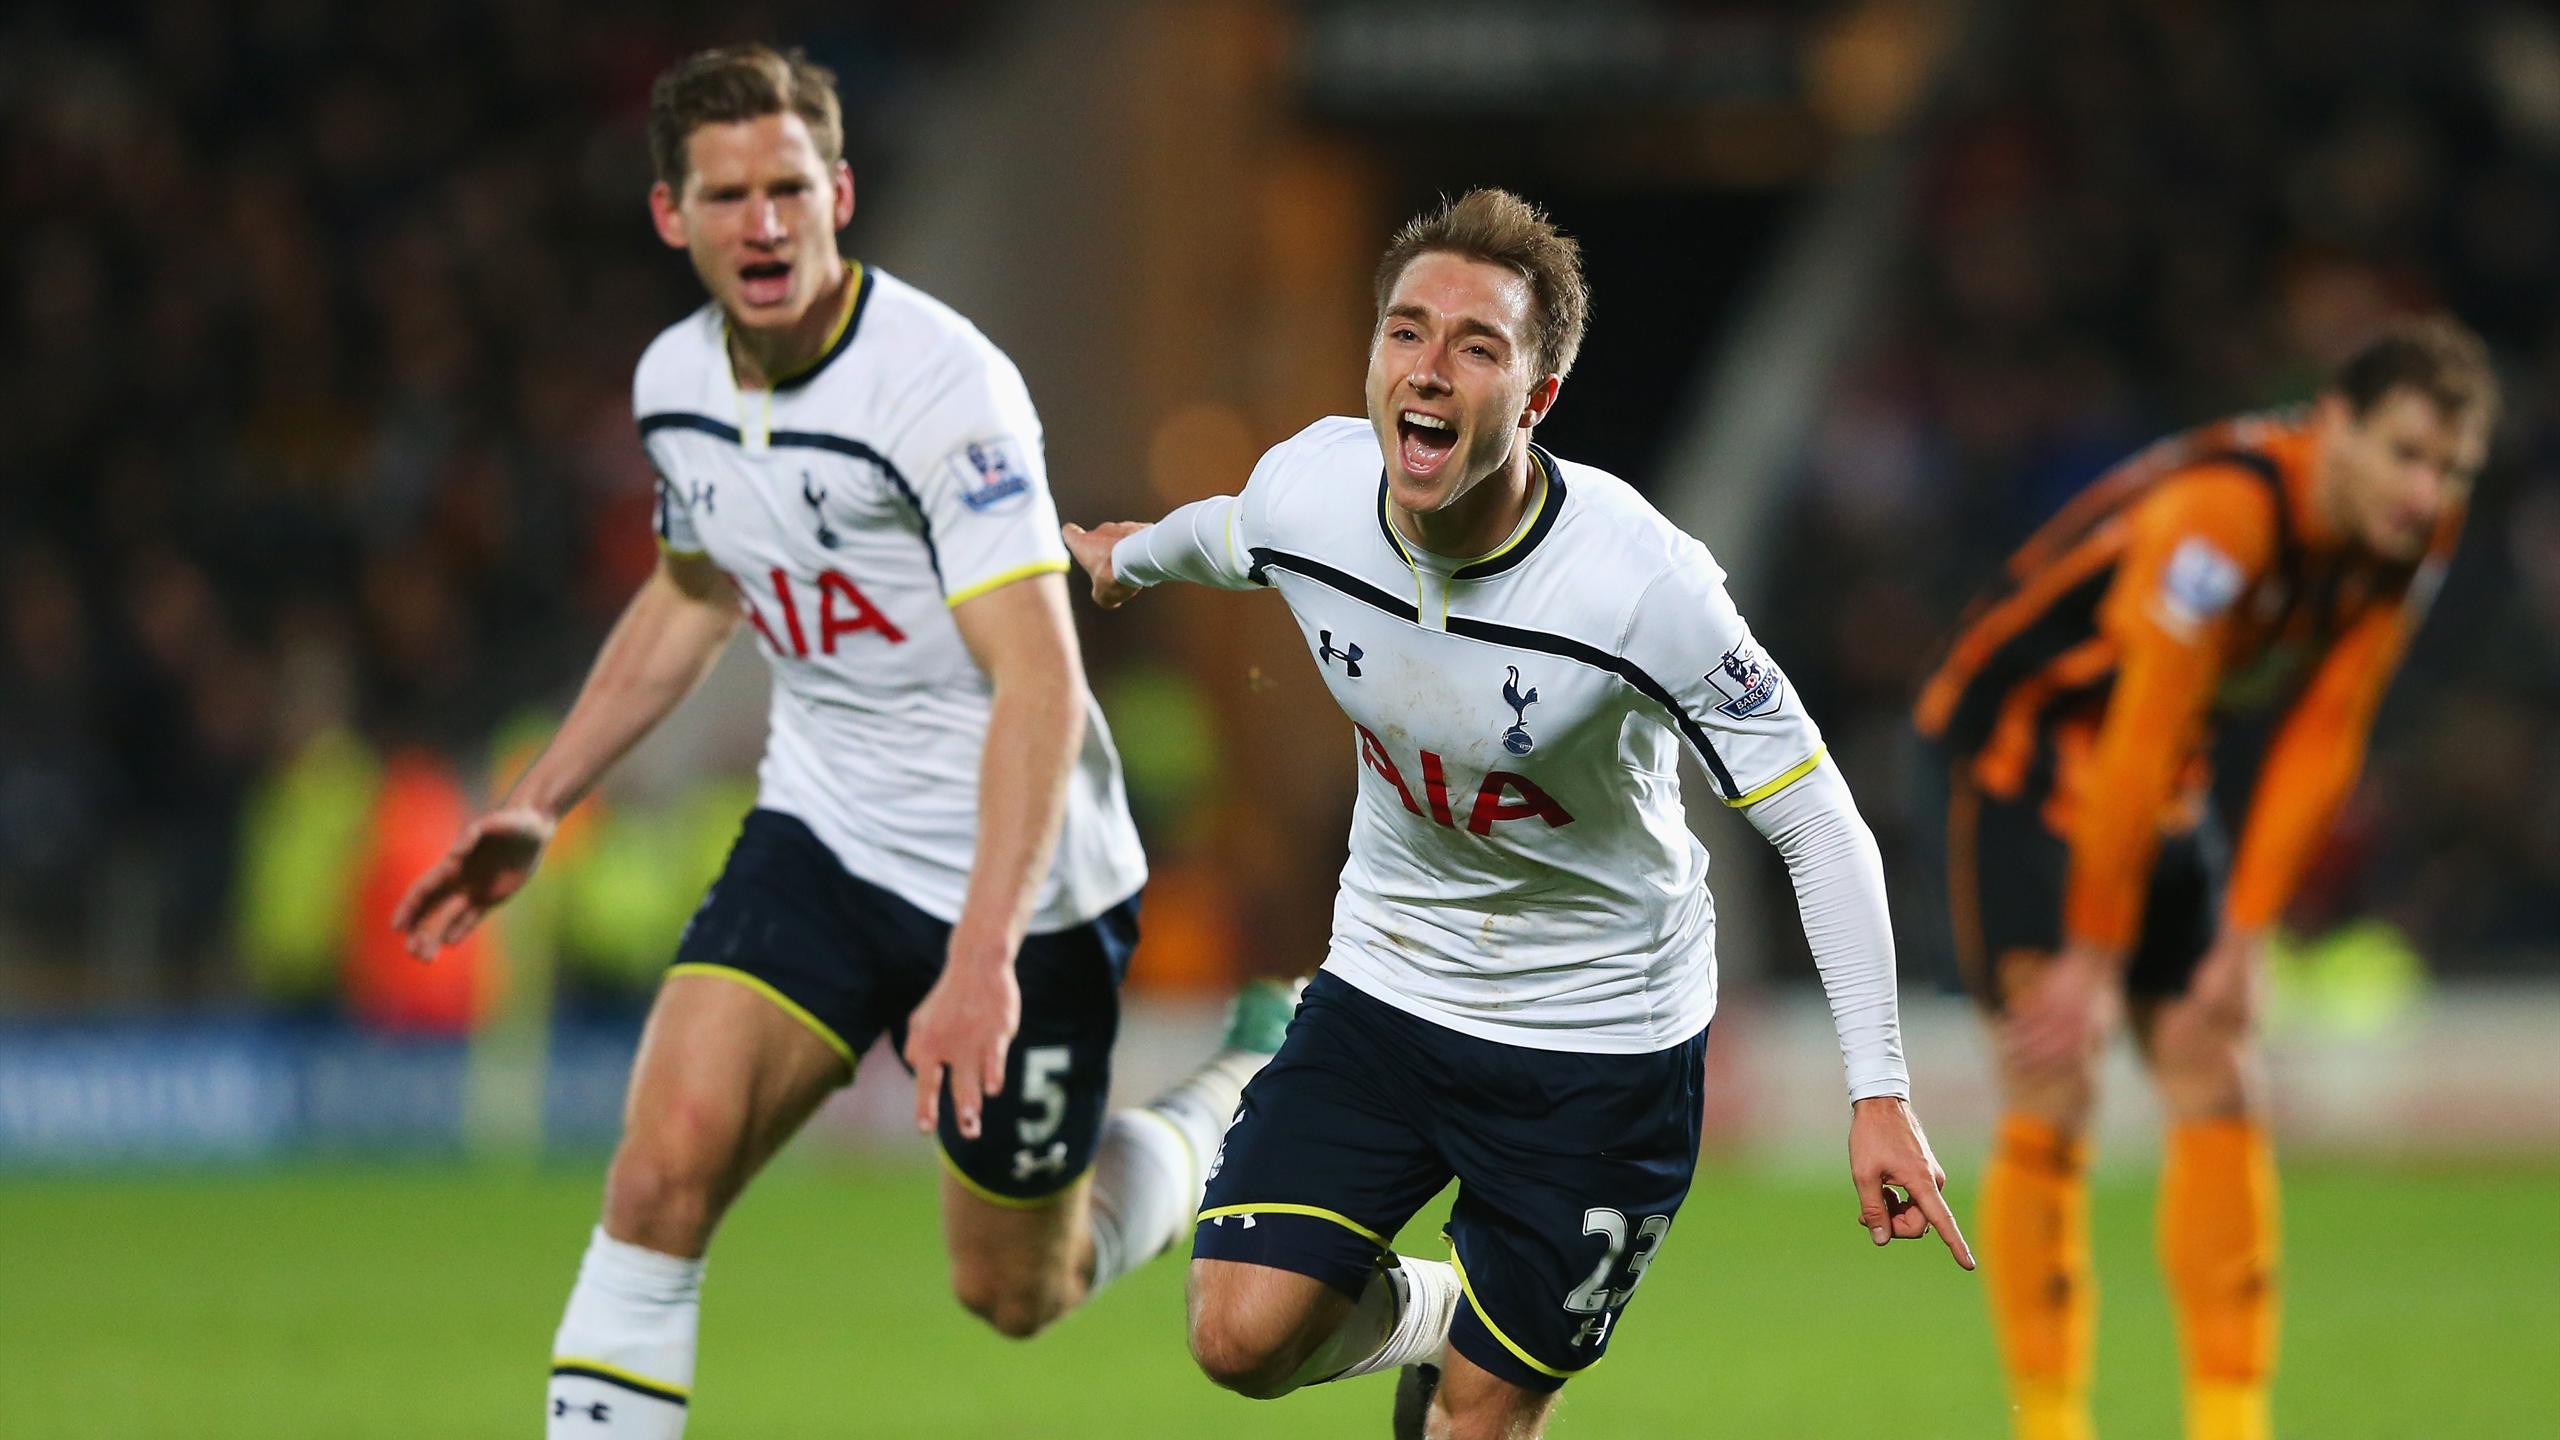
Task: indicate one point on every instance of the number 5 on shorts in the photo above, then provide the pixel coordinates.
(1044, 1098)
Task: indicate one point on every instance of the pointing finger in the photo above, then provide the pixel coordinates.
(1934, 1205)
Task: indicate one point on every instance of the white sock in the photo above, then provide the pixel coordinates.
(1153, 1163)
(1204, 1104)
(1146, 1188)
(622, 1363)
(1402, 1319)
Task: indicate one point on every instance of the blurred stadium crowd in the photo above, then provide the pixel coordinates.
(2139, 217)
(320, 320)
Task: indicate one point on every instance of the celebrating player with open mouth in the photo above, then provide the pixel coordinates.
(1523, 958)
(940, 848)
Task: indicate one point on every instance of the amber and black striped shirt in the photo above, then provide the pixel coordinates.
(2193, 581)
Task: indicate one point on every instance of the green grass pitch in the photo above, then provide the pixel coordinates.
(351, 1302)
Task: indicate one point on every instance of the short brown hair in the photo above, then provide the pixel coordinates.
(1500, 228)
(740, 82)
(2434, 354)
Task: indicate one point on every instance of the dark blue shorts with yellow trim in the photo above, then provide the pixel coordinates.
(851, 960)
(1569, 1166)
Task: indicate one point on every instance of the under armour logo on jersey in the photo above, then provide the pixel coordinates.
(599, 1412)
(816, 496)
(1349, 657)
(1516, 739)
(1027, 1163)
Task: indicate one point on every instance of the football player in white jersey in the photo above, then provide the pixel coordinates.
(1522, 968)
(940, 849)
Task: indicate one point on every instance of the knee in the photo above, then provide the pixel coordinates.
(655, 1200)
(1013, 1307)
(667, 1184)
(2202, 1054)
(2226, 1016)
(2206, 1082)
(1241, 1358)
(2060, 1093)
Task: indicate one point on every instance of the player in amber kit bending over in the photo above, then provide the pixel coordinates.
(2261, 560)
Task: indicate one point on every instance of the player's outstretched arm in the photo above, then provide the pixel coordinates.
(659, 650)
(1023, 637)
(1197, 543)
(1838, 874)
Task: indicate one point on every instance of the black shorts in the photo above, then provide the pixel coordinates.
(850, 960)
(1569, 1166)
(2005, 876)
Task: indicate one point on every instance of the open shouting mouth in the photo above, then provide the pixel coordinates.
(765, 282)
(1424, 441)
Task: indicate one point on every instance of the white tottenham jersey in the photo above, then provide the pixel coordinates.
(1519, 867)
(853, 505)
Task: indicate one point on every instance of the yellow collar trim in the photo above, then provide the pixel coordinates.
(1520, 532)
(835, 334)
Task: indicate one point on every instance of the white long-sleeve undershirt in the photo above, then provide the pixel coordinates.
(1839, 881)
(1194, 543)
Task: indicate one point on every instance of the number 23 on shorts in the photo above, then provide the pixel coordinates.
(1598, 1297)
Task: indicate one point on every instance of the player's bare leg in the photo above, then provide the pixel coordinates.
(1021, 1265)
(1018, 1267)
(724, 1076)
(1473, 1403)
(2218, 1204)
(2201, 1046)
(2035, 1225)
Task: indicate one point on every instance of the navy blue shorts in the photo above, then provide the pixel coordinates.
(1569, 1166)
(850, 960)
